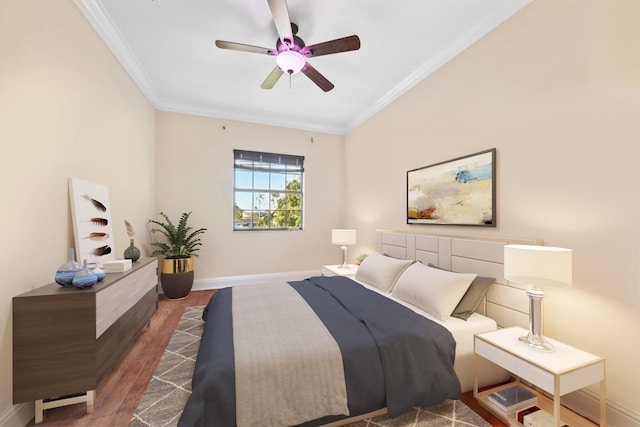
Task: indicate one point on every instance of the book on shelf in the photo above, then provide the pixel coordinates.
(521, 414)
(536, 417)
(509, 400)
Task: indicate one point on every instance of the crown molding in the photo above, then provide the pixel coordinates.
(113, 39)
(497, 16)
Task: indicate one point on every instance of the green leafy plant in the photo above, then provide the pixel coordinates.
(361, 258)
(181, 241)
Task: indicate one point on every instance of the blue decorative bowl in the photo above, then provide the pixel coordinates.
(65, 278)
(67, 271)
(84, 280)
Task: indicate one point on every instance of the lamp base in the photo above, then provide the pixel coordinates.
(537, 343)
(534, 338)
(343, 257)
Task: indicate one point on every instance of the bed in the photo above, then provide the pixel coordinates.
(332, 350)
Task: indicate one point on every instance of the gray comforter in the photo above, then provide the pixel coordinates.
(286, 372)
(392, 357)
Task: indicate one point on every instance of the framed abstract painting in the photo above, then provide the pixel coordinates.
(459, 191)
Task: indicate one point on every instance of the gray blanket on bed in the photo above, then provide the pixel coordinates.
(392, 356)
(286, 372)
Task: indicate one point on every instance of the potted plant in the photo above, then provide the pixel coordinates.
(360, 258)
(180, 246)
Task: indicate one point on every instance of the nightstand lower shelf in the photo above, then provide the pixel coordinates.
(566, 415)
(552, 374)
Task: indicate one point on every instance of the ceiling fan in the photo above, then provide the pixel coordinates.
(291, 53)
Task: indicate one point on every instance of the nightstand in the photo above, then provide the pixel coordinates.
(336, 270)
(560, 372)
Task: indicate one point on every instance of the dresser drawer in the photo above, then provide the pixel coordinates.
(118, 298)
(132, 290)
(107, 307)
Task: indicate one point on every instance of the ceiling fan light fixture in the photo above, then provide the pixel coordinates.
(291, 52)
(290, 61)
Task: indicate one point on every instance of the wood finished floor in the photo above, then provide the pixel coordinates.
(118, 394)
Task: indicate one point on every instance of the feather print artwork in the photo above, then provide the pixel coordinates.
(100, 222)
(102, 250)
(97, 236)
(95, 203)
(93, 226)
(130, 231)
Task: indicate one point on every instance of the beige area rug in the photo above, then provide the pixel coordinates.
(168, 390)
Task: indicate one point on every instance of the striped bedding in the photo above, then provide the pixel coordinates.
(391, 357)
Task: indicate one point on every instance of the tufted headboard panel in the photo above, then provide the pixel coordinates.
(506, 302)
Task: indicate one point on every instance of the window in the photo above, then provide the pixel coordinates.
(267, 191)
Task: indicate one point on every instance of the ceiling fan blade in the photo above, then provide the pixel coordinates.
(317, 78)
(344, 44)
(245, 47)
(272, 78)
(280, 14)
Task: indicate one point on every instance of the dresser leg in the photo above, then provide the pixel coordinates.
(39, 411)
(603, 403)
(42, 405)
(91, 394)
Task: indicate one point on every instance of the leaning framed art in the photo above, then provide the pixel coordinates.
(459, 191)
(92, 228)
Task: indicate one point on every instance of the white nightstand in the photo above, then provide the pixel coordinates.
(336, 270)
(560, 372)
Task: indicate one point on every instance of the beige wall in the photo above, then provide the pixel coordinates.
(557, 91)
(67, 109)
(195, 173)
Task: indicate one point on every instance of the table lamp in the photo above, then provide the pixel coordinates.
(537, 266)
(343, 237)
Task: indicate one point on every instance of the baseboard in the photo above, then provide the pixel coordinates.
(587, 403)
(251, 279)
(17, 415)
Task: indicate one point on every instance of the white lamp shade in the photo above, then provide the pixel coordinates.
(537, 265)
(343, 237)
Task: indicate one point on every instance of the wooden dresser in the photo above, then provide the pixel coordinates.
(65, 339)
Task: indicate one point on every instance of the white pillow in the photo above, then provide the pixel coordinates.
(381, 271)
(435, 291)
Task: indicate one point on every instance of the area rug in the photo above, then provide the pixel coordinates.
(169, 388)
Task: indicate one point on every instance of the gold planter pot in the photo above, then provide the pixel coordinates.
(176, 277)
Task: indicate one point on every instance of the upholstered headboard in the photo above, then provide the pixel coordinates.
(506, 302)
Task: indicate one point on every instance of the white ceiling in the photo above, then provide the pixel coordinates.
(167, 46)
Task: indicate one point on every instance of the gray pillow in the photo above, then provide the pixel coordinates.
(473, 297)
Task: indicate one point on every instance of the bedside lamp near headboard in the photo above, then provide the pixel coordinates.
(343, 238)
(537, 266)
